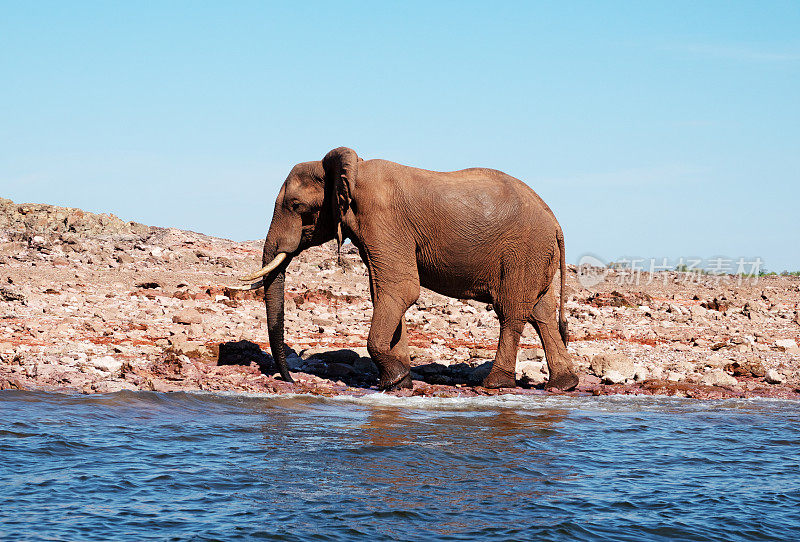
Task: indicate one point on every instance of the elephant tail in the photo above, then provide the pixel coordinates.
(562, 318)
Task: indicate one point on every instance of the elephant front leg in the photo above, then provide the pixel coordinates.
(387, 343)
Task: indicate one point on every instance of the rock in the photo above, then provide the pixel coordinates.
(106, 363)
(10, 384)
(774, 377)
(675, 376)
(588, 380)
(640, 373)
(716, 305)
(530, 354)
(749, 367)
(112, 386)
(614, 299)
(481, 353)
(718, 377)
(418, 353)
(10, 294)
(716, 361)
(189, 370)
(531, 373)
(613, 377)
(148, 285)
(581, 349)
(182, 345)
(188, 316)
(784, 345)
(322, 322)
(602, 364)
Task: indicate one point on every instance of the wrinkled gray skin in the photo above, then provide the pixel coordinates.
(471, 234)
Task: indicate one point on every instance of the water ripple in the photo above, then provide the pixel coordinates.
(201, 466)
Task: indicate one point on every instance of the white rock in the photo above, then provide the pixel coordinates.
(774, 377)
(106, 363)
(716, 360)
(786, 344)
(613, 377)
(530, 354)
(640, 373)
(674, 376)
(718, 377)
(603, 364)
(67, 360)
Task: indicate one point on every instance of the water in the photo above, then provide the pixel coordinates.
(148, 466)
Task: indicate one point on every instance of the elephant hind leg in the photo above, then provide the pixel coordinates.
(503, 373)
(559, 363)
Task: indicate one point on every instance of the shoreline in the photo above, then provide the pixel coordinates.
(93, 304)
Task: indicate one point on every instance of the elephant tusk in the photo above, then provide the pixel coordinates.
(266, 269)
(254, 286)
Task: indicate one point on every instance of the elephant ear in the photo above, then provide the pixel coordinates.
(341, 167)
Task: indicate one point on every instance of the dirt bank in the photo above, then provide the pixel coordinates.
(96, 304)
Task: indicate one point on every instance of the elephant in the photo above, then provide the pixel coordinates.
(471, 234)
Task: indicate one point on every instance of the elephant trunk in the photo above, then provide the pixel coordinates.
(273, 296)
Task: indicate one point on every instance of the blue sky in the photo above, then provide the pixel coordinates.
(653, 129)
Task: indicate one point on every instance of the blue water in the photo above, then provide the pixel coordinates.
(148, 466)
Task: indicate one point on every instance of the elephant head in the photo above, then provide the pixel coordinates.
(308, 212)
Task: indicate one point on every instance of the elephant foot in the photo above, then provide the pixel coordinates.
(497, 378)
(399, 383)
(563, 382)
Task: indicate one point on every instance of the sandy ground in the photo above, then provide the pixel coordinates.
(92, 303)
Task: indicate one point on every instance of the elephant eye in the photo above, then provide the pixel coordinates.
(296, 206)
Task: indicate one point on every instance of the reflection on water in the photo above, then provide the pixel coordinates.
(201, 467)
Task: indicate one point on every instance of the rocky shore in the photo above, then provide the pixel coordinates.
(92, 303)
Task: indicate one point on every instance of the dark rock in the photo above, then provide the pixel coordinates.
(148, 285)
(10, 294)
(716, 305)
(750, 367)
(614, 299)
